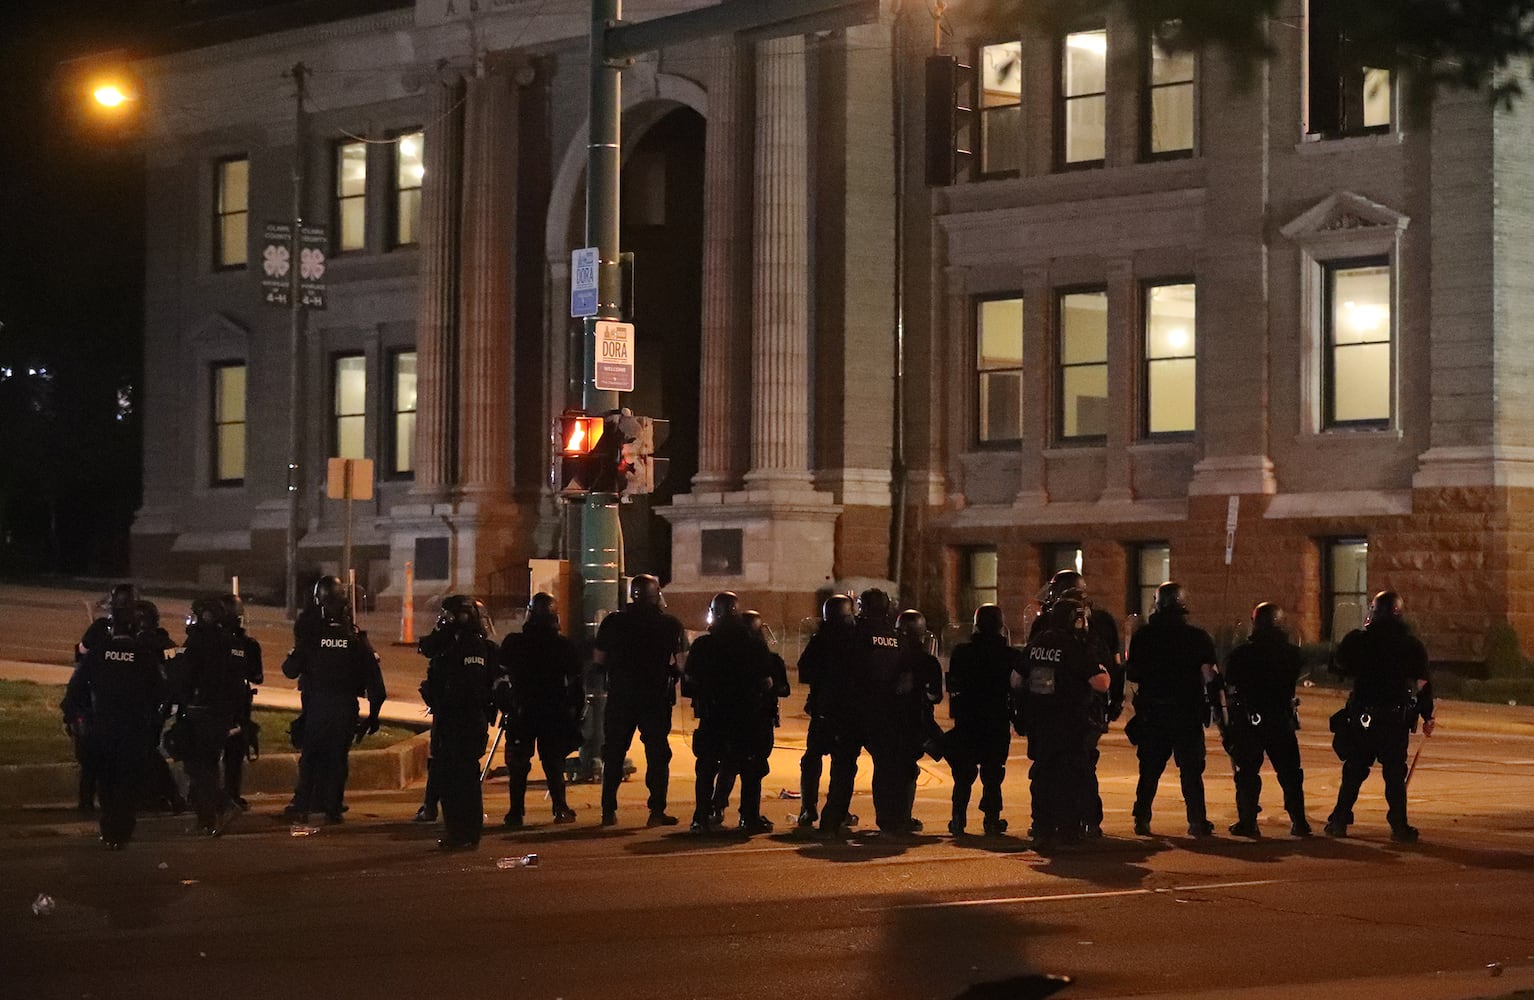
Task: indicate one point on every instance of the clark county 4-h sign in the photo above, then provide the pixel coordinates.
(277, 265)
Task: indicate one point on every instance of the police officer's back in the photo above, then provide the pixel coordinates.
(1259, 680)
(980, 675)
(541, 696)
(459, 674)
(247, 651)
(208, 685)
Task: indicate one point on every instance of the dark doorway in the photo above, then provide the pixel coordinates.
(663, 227)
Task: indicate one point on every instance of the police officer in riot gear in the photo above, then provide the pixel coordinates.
(825, 667)
(540, 697)
(1172, 662)
(461, 669)
(334, 665)
(729, 676)
(207, 683)
(1259, 680)
(853, 697)
(121, 601)
(247, 652)
(1055, 707)
(1103, 633)
(899, 680)
(639, 647)
(1391, 692)
(763, 724)
(163, 792)
(114, 699)
(980, 675)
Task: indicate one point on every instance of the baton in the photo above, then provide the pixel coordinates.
(1412, 770)
(490, 760)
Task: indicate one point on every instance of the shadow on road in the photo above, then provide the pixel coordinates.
(1110, 863)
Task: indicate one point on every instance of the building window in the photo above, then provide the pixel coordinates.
(351, 406)
(402, 402)
(1357, 320)
(228, 464)
(1152, 564)
(409, 172)
(1001, 109)
(231, 213)
(351, 196)
(977, 580)
(999, 365)
(1083, 375)
(1345, 585)
(1171, 336)
(1169, 103)
(1061, 555)
(1081, 122)
(1346, 96)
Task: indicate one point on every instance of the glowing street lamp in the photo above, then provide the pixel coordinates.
(110, 95)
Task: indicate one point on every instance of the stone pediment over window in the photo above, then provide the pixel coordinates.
(219, 329)
(1344, 214)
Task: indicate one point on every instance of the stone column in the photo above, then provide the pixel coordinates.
(725, 376)
(489, 199)
(779, 293)
(437, 296)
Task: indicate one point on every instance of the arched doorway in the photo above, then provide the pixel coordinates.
(662, 225)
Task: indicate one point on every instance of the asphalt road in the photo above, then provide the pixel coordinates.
(371, 909)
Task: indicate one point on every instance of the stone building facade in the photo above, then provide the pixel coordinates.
(1160, 291)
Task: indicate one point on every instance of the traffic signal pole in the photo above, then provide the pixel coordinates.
(601, 569)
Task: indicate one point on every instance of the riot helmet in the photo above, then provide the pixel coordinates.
(543, 612)
(1386, 606)
(874, 606)
(753, 622)
(206, 613)
(463, 615)
(911, 627)
(1266, 617)
(989, 620)
(1069, 615)
(234, 611)
(126, 619)
(123, 599)
(838, 610)
(1065, 580)
(1169, 599)
(645, 592)
(331, 600)
(723, 609)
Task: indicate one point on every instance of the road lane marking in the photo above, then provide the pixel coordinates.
(1225, 885)
(1002, 901)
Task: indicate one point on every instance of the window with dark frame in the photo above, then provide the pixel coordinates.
(351, 169)
(1171, 373)
(1168, 113)
(1082, 372)
(228, 411)
(1152, 566)
(1356, 317)
(1346, 97)
(349, 396)
(231, 212)
(1000, 85)
(999, 369)
(1061, 555)
(1082, 99)
(978, 569)
(1344, 585)
(402, 403)
(409, 175)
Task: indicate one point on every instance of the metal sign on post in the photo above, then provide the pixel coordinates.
(615, 356)
(1232, 510)
(583, 282)
(313, 244)
(276, 263)
(348, 479)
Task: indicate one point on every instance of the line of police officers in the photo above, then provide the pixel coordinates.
(873, 684)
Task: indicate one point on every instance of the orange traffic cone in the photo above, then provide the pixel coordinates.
(407, 610)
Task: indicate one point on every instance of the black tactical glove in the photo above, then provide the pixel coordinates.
(366, 727)
(1115, 709)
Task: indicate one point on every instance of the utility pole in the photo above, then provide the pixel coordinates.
(295, 341)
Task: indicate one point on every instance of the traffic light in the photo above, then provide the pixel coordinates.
(585, 454)
(948, 119)
(639, 471)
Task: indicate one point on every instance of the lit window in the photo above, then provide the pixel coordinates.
(229, 423)
(1345, 598)
(351, 409)
(1358, 334)
(1169, 103)
(231, 213)
(1083, 374)
(977, 583)
(402, 461)
(351, 195)
(1171, 334)
(1153, 567)
(1001, 108)
(1062, 555)
(1083, 97)
(1346, 97)
(999, 363)
(409, 172)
